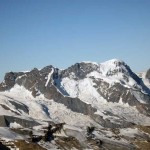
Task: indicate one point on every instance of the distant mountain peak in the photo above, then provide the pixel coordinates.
(111, 80)
(114, 60)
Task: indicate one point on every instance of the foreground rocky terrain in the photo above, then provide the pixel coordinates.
(102, 106)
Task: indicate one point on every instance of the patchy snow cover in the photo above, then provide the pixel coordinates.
(47, 110)
(51, 110)
(130, 132)
(60, 113)
(43, 109)
(123, 104)
(7, 134)
(106, 135)
(20, 95)
(111, 72)
(125, 111)
(48, 145)
(86, 92)
(97, 75)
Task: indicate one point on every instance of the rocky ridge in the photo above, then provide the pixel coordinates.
(109, 93)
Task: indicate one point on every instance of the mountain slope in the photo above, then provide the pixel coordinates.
(105, 95)
(84, 85)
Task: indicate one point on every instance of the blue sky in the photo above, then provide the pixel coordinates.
(36, 33)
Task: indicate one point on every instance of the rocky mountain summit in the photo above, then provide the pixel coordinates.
(113, 80)
(108, 96)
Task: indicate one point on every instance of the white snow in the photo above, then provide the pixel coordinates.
(112, 66)
(86, 92)
(83, 89)
(19, 92)
(59, 113)
(123, 104)
(107, 66)
(55, 111)
(130, 132)
(49, 77)
(71, 86)
(15, 125)
(42, 109)
(7, 134)
(97, 75)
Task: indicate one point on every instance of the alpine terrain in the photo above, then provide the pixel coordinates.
(88, 106)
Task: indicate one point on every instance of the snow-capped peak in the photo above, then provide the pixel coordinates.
(111, 61)
(112, 67)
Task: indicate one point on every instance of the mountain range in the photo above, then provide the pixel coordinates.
(108, 96)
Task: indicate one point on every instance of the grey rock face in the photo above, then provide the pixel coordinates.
(148, 74)
(3, 122)
(38, 81)
(115, 92)
(35, 80)
(9, 80)
(108, 124)
(6, 120)
(118, 92)
(21, 107)
(80, 70)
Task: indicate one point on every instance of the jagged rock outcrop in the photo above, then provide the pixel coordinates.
(79, 70)
(112, 80)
